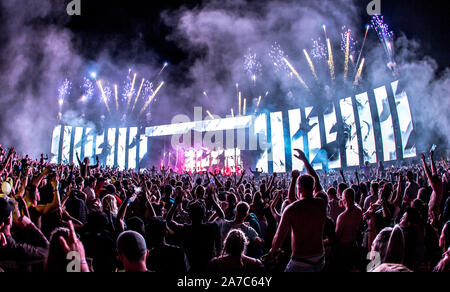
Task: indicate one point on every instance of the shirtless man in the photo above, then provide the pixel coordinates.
(305, 219)
(347, 230)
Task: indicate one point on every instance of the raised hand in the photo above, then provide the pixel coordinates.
(300, 154)
(295, 174)
(72, 243)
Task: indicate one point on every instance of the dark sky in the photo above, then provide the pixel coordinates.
(103, 20)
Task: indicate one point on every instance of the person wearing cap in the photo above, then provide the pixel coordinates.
(34, 249)
(132, 251)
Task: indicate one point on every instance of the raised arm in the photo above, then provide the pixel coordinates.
(274, 204)
(6, 162)
(300, 155)
(79, 161)
(282, 231)
(433, 164)
(341, 172)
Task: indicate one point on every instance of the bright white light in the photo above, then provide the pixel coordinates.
(61, 102)
(94, 75)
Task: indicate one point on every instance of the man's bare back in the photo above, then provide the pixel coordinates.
(348, 225)
(307, 219)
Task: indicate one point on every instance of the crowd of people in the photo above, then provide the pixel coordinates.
(84, 217)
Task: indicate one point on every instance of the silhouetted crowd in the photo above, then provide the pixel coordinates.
(84, 217)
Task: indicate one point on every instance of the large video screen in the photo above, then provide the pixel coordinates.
(405, 122)
(278, 151)
(367, 133)
(387, 127)
(350, 136)
(313, 130)
(331, 133)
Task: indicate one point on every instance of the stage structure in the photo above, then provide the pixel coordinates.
(371, 126)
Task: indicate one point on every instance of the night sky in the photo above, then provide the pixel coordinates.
(103, 20)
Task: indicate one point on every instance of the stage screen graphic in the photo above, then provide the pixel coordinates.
(405, 121)
(132, 148)
(350, 137)
(260, 129)
(56, 138)
(143, 149)
(111, 142)
(89, 144)
(66, 144)
(121, 148)
(367, 132)
(297, 137)
(387, 127)
(77, 144)
(320, 142)
(278, 151)
(314, 141)
(332, 146)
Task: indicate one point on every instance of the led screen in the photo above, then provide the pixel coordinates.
(121, 148)
(111, 143)
(77, 144)
(56, 138)
(387, 128)
(350, 137)
(66, 145)
(314, 143)
(405, 121)
(332, 146)
(89, 144)
(297, 137)
(132, 148)
(278, 152)
(367, 132)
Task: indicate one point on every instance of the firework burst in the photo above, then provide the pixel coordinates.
(252, 65)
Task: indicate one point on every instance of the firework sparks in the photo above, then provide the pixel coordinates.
(130, 95)
(384, 34)
(296, 74)
(277, 56)
(325, 31)
(116, 97)
(363, 44)
(257, 105)
(104, 95)
(240, 103)
(151, 97)
(88, 88)
(163, 67)
(205, 94)
(252, 65)
(330, 60)
(210, 115)
(64, 91)
(347, 53)
(319, 50)
(232, 112)
(311, 65)
(359, 73)
(245, 107)
(138, 94)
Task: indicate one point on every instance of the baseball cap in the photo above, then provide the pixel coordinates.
(6, 207)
